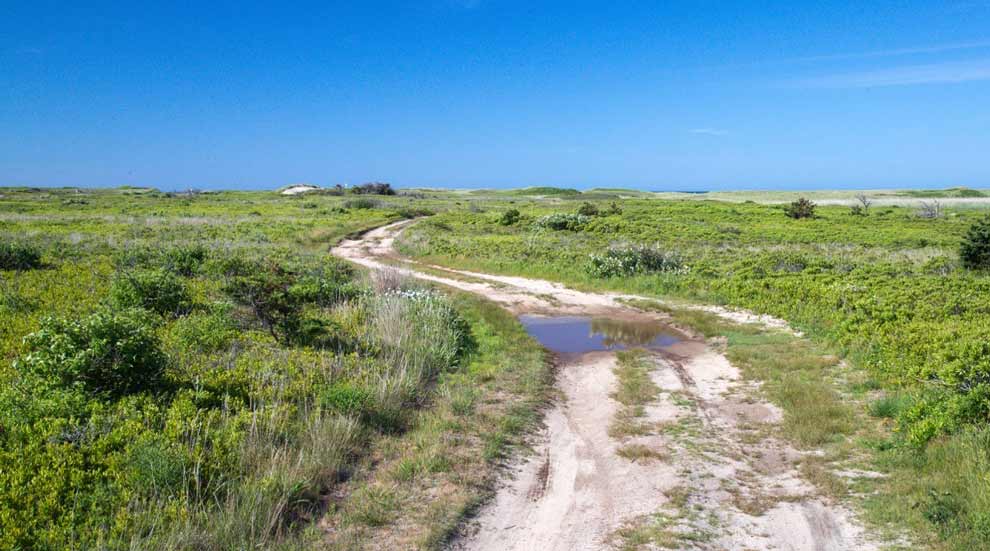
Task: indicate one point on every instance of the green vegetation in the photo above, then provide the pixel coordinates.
(634, 390)
(194, 371)
(18, 256)
(886, 289)
(802, 208)
(975, 249)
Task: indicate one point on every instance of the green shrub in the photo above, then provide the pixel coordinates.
(637, 259)
(107, 352)
(205, 331)
(802, 208)
(158, 291)
(373, 188)
(346, 399)
(587, 209)
(410, 212)
(186, 260)
(975, 249)
(328, 285)
(19, 256)
(509, 217)
(562, 221)
(265, 290)
(362, 203)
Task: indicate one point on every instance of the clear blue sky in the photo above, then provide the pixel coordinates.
(470, 93)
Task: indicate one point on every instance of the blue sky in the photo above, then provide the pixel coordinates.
(491, 93)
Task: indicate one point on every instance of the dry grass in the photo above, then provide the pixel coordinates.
(641, 453)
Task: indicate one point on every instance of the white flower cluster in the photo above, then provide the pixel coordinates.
(562, 221)
(625, 261)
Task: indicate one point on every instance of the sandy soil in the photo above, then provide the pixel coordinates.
(721, 481)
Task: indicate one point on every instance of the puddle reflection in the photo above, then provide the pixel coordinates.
(575, 334)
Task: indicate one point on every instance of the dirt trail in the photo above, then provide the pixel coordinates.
(720, 481)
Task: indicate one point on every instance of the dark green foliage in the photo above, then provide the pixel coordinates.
(613, 209)
(975, 248)
(362, 203)
(186, 260)
(108, 352)
(802, 208)
(19, 256)
(373, 188)
(158, 291)
(205, 331)
(346, 399)
(410, 213)
(587, 209)
(265, 288)
(509, 217)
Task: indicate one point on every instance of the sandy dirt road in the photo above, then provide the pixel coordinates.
(719, 478)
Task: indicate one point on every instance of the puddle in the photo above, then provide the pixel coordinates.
(574, 334)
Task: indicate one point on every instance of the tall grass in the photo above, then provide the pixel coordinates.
(417, 334)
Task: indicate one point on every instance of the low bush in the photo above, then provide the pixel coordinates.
(204, 331)
(802, 208)
(373, 188)
(509, 217)
(975, 248)
(362, 204)
(19, 256)
(587, 209)
(409, 212)
(185, 260)
(562, 221)
(636, 259)
(265, 290)
(328, 285)
(108, 352)
(158, 291)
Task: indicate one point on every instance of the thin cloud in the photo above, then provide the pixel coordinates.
(934, 73)
(938, 48)
(709, 132)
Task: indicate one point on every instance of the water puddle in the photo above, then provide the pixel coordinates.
(575, 334)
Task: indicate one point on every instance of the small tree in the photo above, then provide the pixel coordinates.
(802, 208)
(975, 249)
(864, 203)
(588, 209)
(509, 217)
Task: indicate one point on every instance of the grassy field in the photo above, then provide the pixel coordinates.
(883, 289)
(196, 372)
